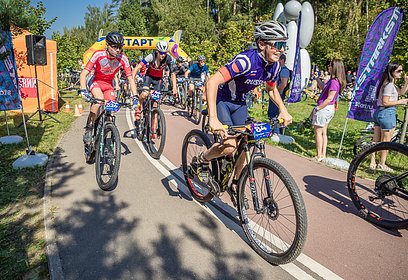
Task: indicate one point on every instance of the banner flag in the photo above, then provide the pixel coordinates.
(374, 58)
(296, 79)
(9, 93)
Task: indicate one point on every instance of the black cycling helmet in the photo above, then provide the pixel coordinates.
(180, 59)
(114, 38)
(201, 57)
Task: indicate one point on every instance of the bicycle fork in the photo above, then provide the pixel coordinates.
(268, 202)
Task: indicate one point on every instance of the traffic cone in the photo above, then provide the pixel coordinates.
(76, 111)
(67, 108)
(81, 109)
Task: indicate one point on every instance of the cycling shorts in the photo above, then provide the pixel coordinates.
(230, 113)
(106, 88)
(150, 81)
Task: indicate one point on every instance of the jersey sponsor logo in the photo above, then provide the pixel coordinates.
(254, 82)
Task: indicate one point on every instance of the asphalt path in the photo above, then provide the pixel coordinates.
(149, 227)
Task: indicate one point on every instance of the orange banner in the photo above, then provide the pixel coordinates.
(46, 74)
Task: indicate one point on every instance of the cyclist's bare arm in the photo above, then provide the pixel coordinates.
(132, 85)
(136, 70)
(212, 88)
(82, 78)
(276, 98)
(186, 74)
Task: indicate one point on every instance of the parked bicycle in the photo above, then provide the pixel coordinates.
(105, 146)
(195, 102)
(270, 206)
(381, 194)
(152, 129)
(367, 137)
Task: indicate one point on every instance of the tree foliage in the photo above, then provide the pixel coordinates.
(219, 29)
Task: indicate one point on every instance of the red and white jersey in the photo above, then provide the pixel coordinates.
(106, 67)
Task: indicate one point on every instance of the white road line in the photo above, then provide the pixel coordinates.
(163, 165)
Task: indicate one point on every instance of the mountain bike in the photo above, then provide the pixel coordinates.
(195, 101)
(152, 129)
(104, 148)
(380, 193)
(270, 206)
(181, 98)
(123, 94)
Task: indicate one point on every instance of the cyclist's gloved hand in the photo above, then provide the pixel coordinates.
(85, 95)
(135, 102)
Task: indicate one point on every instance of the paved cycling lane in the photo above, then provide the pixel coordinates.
(144, 229)
(337, 239)
(150, 228)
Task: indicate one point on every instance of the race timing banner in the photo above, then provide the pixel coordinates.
(374, 58)
(9, 93)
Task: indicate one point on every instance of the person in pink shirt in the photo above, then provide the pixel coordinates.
(324, 111)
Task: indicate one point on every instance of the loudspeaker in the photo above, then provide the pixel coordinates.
(36, 49)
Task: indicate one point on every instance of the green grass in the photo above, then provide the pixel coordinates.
(22, 242)
(302, 131)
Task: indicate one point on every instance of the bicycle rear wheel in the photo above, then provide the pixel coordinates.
(108, 157)
(157, 133)
(194, 143)
(380, 193)
(275, 221)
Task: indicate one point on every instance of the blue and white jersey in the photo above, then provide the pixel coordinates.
(246, 71)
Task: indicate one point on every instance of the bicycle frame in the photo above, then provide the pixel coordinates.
(245, 145)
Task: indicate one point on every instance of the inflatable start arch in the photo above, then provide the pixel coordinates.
(140, 43)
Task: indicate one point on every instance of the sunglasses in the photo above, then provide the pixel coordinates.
(277, 45)
(118, 47)
(398, 71)
(162, 53)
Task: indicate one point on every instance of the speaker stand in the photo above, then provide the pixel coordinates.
(39, 110)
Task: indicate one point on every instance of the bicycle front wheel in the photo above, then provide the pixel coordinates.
(380, 191)
(272, 212)
(198, 107)
(108, 157)
(157, 133)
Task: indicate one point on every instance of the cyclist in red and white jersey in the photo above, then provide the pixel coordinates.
(157, 62)
(105, 64)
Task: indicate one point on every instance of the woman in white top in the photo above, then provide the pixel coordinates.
(385, 116)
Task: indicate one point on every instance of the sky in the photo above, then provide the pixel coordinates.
(70, 13)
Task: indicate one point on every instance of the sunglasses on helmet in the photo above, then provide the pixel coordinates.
(277, 45)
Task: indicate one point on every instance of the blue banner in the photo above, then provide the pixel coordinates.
(296, 79)
(376, 52)
(9, 92)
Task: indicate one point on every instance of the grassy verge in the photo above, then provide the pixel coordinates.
(22, 242)
(303, 133)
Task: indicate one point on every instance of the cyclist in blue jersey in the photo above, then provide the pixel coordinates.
(227, 88)
(197, 71)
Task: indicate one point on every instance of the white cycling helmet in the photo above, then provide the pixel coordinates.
(162, 46)
(270, 31)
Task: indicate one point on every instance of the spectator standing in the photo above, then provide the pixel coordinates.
(325, 109)
(283, 86)
(385, 119)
